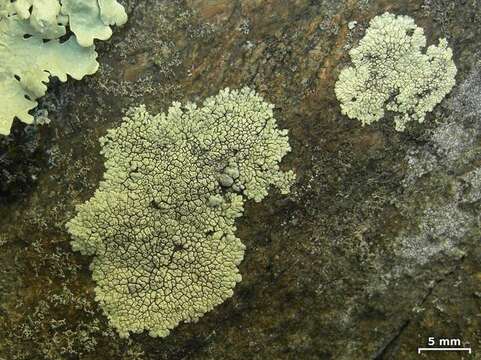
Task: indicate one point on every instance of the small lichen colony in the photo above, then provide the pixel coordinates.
(162, 222)
(391, 74)
(31, 51)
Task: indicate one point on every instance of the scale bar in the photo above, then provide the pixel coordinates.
(444, 349)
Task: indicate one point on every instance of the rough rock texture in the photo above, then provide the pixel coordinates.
(376, 248)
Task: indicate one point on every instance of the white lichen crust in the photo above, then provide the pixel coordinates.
(391, 74)
(162, 222)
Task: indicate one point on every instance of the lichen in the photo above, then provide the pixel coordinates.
(90, 19)
(31, 51)
(162, 222)
(391, 74)
(449, 156)
(24, 64)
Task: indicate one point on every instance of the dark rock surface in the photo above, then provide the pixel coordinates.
(377, 247)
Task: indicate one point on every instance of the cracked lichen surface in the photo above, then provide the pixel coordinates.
(391, 74)
(321, 276)
(162, 223)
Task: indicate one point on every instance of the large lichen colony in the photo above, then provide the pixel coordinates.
(31, 50)
(162, 222)
(391, 74)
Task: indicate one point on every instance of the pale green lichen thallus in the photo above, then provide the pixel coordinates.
(31, 50)
(161, 225)
(390, 73)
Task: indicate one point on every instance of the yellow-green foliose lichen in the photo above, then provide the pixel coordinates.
(90, 19)
(391, 74)
(162, 222)
(27, 60)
